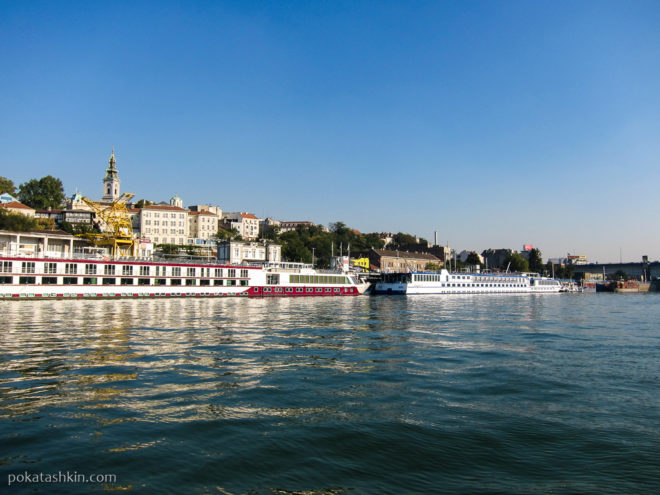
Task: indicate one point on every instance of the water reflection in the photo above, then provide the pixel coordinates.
(177, 360)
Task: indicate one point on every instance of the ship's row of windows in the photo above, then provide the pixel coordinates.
(436, 278)
(30, 280)
(127, 270)
(480, 285)
(317, 279)
(300, 289)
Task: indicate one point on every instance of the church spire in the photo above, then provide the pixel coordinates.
(111, 180)
(111, 172)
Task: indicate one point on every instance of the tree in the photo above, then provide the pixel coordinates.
(45, 223)
(47, 192)
(432, 267)
(563, 272)
(168, 248)
(16, 222)
(79, 228)
(272, 233)
(143, 202)
(7, 186)
(516, 263)
(402, 241)
(227, 234)
(472, 259)
(535, 261)
(293, 247)
(339, 228)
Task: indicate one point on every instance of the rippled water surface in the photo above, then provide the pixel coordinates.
(427, 394)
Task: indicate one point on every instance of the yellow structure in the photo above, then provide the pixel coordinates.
(115, 224)
(361, 262)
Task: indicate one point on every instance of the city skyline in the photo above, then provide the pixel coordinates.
(495, 125)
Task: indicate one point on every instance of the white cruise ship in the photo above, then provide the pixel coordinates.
(83, 276)
(444, 282)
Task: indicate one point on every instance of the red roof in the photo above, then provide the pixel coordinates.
(248, 215)
(15, 205)
(163, 207)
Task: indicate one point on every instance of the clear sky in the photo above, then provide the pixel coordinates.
(493, 123)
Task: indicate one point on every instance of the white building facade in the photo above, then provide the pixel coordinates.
(163, 224)
(246, 224)
(201, 225)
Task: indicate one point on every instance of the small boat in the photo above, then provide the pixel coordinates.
(623, 286)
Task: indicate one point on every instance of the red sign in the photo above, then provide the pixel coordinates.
(528, 247)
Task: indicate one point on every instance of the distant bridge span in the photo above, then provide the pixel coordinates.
(636, 270)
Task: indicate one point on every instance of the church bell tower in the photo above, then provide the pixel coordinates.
(111, 181)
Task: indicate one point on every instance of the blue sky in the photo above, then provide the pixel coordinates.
(493, 123)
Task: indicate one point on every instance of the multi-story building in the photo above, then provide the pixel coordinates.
(287, 226)
(201, 225)
(246, 224)
(238, 252)
(163, 224)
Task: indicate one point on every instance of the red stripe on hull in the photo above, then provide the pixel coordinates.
(300, 292)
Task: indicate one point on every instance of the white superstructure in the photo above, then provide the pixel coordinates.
(444, 282)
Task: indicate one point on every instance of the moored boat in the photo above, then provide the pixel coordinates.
(623, 286)
(445, 282)
(95, 276)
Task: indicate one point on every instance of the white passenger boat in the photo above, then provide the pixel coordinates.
(444, 282)
(100, 277)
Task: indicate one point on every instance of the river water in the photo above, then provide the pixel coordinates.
(423, 394)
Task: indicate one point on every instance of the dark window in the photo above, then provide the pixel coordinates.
(160, 281)
(204, 282)
(126, 281)
(27, 280)
(6, 280)
(175, 281)
(143, 281)
(89, 280)
(217, 282)
(244, 282)
(70, 280)
(190, 281)
(109, 281)
(48, 280)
